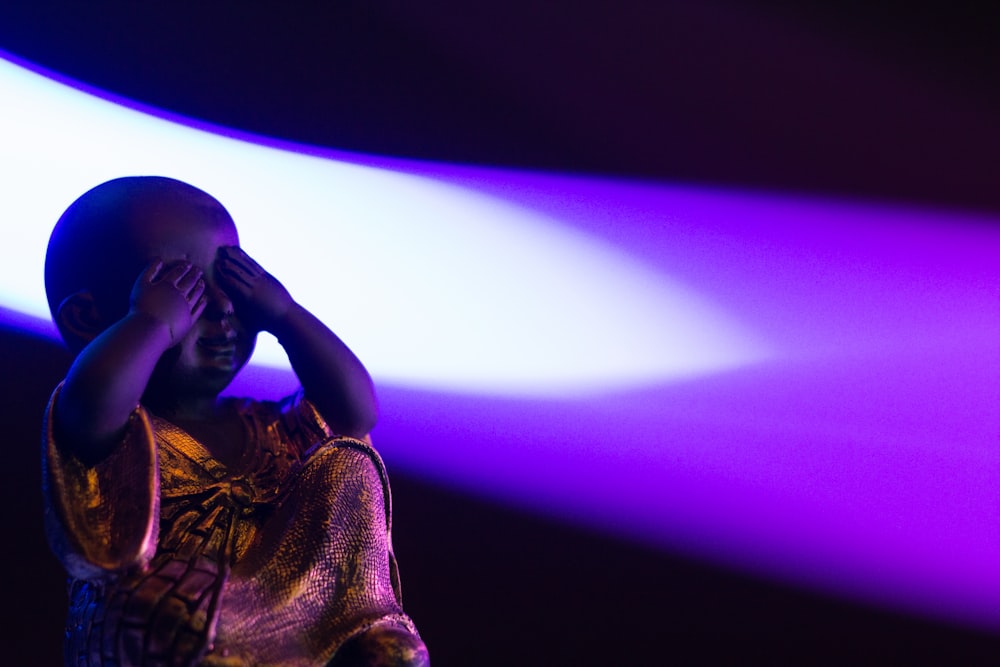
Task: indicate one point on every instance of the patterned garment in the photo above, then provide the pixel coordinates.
(174, 560)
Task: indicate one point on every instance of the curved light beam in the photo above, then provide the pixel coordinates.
(861, 458)
(433, 284)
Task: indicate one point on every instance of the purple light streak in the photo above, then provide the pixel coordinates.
(863, 459)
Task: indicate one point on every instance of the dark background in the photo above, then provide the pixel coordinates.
(896, 102)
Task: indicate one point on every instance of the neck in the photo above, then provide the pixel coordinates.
(188, 408)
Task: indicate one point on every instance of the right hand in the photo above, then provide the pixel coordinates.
(172, 294)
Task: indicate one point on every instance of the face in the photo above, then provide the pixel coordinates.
(217, 346)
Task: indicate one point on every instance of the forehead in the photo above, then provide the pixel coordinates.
(189, 226)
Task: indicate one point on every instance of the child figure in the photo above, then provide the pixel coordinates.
(196, 529)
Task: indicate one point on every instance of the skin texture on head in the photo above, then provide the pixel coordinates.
(108, 236)
(123, 227)
(150, 248)
(150, 289)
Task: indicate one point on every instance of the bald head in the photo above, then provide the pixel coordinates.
(107, 236)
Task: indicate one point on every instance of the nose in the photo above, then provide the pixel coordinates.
(218, 304)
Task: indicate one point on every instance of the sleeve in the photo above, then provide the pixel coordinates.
(306, 425)
(102, 519)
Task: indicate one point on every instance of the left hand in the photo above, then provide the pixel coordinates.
(261, 301)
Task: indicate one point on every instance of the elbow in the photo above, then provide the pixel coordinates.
(352, 418)
(81, 431)
(363, 421)
(365, 412)
(350, 411)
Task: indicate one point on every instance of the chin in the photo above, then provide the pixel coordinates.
(222, 377)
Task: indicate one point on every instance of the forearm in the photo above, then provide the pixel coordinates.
(106, 382)
(332, 377)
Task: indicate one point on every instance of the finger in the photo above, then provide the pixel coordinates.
(197, 290)
(241, 259)
(232, 274)
(176, 271)
(252, 264)
(199, 306)
(186, 282)
(150, 273)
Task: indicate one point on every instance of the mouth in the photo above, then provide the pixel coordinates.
(219, 346)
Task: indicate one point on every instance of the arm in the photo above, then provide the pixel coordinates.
(333, 379)
(109, 376)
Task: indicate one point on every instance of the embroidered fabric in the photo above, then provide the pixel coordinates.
(176, 560)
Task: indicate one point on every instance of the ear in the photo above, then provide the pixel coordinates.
(78, 319)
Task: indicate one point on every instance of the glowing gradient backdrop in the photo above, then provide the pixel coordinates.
(799, 387)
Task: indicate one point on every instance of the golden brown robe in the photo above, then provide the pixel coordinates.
(176, 560)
